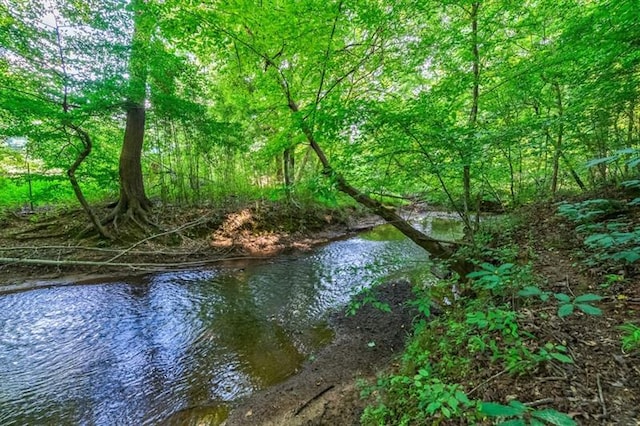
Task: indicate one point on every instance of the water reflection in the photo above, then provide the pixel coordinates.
(157, 349)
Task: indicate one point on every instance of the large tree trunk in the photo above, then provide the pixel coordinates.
(133, 203)
(133, 198)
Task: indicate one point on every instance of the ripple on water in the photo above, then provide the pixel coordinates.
(176, 345)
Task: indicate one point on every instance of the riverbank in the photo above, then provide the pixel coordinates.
(325, 391)
(532, 362)
(46, 248)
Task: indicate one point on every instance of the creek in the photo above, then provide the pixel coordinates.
(132, 351)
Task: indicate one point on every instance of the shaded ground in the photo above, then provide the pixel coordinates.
(603, 386)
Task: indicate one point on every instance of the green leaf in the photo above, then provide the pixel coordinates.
(554, 417)
(629, 256)
(565, 310)
(530, 291)
(462, 397)
(588, 309)
(603, 160)
(562, 297)
(504, 268)
(446, 412)
(587, 298)
(562, 357)
(633, 163)
(478, 274)
(493, 409)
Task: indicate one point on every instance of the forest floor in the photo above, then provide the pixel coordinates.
(601, 387)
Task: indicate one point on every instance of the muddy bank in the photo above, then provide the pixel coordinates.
(325, 391)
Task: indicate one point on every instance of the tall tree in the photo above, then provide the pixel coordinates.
(133, 202)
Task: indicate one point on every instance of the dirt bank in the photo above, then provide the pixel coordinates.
(49, 247)
(325, 391)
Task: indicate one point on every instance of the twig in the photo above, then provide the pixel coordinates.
(495, 376)
(604, 406)
(98, 249)
(539, 402)
(306, 404)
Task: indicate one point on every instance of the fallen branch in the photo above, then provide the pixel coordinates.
(495, 376)
(318, 395)
(604, 406)
(49, 262)
(98, 249)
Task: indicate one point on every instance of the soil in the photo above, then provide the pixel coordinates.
(326, 391)
(602, 387)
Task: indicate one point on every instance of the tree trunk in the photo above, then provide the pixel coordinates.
(432, 246)
(71, 173)
(133, 203)
(133, 199)
(288, 160)
(573, 172)
(473, 115)
(558, 145)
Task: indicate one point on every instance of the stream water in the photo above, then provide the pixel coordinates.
(137, 351)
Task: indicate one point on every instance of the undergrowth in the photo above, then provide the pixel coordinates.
(481, 325)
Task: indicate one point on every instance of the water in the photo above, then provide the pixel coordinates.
(177, 346)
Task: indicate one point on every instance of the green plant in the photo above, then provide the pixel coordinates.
(587, 211)
(493, 278)
(611, 279)
(552, 351)
(517, 414)
(495, 320)
(365, 297)
(630, 337)
(566, 304)
(437, 398)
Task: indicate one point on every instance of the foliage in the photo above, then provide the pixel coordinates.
(366, 297)
(393, 104)
(519, 414)
(493, 278)
(630, 337)
(566, 304)
(612, 241)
